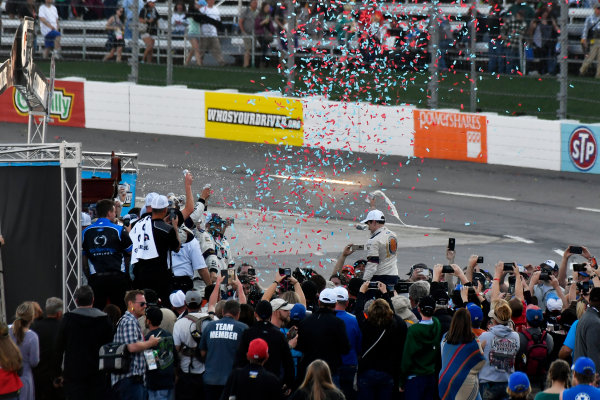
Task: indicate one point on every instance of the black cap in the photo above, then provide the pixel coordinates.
(427, 306)
(264, 310)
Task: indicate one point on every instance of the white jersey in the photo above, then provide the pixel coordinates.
(220, 256)
(381, 254)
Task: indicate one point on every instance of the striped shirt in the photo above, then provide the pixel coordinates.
(129, 331)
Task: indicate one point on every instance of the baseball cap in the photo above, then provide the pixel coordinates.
(475, 311)
(86, 219)
(159, 202)
(298, 312)
(402, 306)
(348, 268)
(554, 304)
(258, 349)
(281, 304)
(550, 264)
(264, 309)
(149, 198)
(374, 215)
(584, 366)
(328, 296)
(341, 293)
(534, 314)
(518, 382)
(177, 299)
(193, 297)
(427, 305)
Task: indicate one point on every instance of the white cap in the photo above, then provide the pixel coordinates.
(554, 304)
(328, 296)
(177, 299)
(551, 264)
(281, 304)
(86, 220)
(374, 215)
(149, 198)
(159, 202)
(341, 293)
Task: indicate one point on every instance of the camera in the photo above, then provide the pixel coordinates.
(575, 249)
(402, 287)
(373, 285)
(287, 272)
(509, 267)
(447, 269)
(579, 267)
(545, 274)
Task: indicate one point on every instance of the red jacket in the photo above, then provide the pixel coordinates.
(9, 382)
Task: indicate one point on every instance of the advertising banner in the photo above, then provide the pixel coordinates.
(450, 136)
(67, 108)
(126, 189)
(254, 118)
(579, 148)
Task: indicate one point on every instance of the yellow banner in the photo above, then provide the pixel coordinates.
(254, 118)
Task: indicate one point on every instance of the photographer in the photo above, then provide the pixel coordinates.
(252, 290)
(542, 284)
(282, 281)
(580, 250)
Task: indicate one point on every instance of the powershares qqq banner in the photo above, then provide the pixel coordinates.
(254, 118)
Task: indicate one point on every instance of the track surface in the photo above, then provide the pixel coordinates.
(544, 210)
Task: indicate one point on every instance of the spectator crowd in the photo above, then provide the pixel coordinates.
(166, 314)
(516, 33)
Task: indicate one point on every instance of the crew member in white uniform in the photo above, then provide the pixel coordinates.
(381, 251)
(213, 243)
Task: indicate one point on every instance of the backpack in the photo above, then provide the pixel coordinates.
(196, 334)
(535, 359)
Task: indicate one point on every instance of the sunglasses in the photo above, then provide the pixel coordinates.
(142, 303)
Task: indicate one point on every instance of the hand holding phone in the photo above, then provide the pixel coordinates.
(225, 276)
(356, 247)
(447, 269)
(479, 259)
(575, 249)
(451, 244)
(509, 267)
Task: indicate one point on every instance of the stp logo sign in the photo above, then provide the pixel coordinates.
(583, 148)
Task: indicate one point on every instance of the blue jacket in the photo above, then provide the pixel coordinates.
(354, 337)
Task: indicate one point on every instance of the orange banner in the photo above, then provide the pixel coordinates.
(67, 108)
(450, 136)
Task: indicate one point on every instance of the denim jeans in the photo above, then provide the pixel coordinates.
(493, 390)
(421, 388)
(497, 57)
(165, 394)
(346, 374)
(131, 388)
(375, 385)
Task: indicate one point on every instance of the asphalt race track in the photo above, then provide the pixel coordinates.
(299, 206)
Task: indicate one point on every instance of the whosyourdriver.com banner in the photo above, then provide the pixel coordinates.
(254, 118)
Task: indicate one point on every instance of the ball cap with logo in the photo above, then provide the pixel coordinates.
(584, 366)
(281, 304)
(475, 311)
(258, 350)
(374, 215)
(149, 198)
(518, 382)
(534, 314)
(550, 264)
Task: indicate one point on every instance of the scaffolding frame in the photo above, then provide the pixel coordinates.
(68, 156)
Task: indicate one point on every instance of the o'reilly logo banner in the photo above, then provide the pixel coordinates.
(61, 107)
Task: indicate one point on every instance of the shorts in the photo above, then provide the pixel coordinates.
(49, 38)
(248, 44)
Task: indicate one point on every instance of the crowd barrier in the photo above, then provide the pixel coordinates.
(316, 122)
